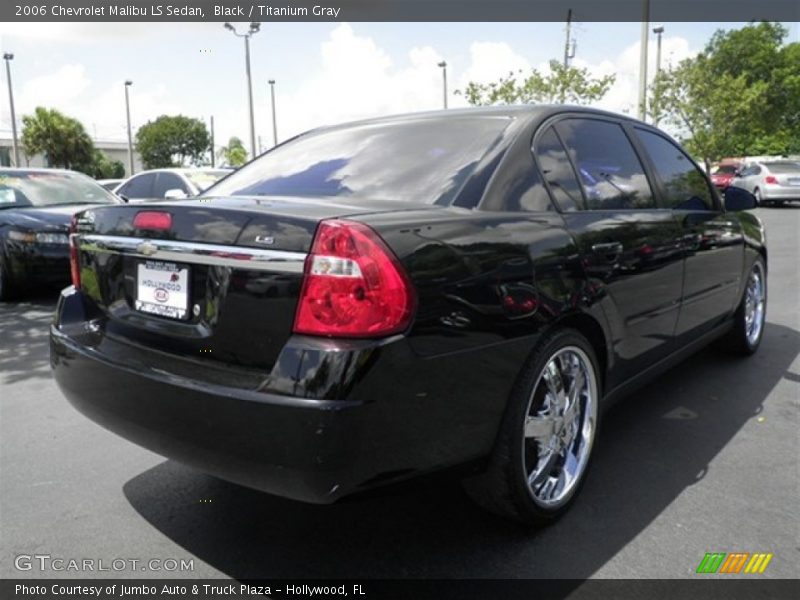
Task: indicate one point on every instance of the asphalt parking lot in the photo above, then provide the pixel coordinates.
(706, 458)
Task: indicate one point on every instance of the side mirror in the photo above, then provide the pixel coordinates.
(737, 173)
(737, 199)
(175, 194)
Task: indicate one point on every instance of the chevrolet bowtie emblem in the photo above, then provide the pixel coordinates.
(147, 248)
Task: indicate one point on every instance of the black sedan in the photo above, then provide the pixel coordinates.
(36, 206)
(374, 301)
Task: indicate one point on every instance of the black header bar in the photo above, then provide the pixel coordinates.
(399, 10)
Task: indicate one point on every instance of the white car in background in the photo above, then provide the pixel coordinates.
(174, 184)
(770, 181)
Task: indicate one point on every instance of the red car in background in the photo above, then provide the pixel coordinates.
(724, 174)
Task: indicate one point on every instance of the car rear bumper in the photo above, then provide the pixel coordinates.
(297, 447)
(781, 193)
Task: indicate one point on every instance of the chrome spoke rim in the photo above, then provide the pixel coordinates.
(754, 304)
(559, 426)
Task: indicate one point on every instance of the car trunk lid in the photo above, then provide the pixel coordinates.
(220, 284)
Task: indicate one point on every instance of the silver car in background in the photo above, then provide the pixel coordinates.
(771, 182)
(170, 184)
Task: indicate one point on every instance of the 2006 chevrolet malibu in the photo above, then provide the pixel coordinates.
(374, 301)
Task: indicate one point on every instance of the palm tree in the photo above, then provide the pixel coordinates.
(61, 139)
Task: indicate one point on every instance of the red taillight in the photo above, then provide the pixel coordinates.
(152, 219)
(353, 286)
(74, 259)
(771, 179)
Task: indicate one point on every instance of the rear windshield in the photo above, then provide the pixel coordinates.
(783, 168)
(50, 188)
(424, 161)
(725, 169)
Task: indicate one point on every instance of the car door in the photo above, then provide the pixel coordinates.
(712, 239)
(630, 247)
(138, 187)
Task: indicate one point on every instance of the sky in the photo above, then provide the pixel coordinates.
(325, 73)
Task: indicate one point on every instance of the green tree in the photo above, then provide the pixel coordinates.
(234, 153)
(102, 167)
(172, 141)
(740, 96)
(562, 84)
(61, 139)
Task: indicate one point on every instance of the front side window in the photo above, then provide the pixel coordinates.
(685, 186)
(609, 170)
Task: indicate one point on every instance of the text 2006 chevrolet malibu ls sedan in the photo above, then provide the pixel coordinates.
(378, 300)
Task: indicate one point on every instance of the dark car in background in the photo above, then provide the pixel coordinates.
(370, 302)
(36, 206)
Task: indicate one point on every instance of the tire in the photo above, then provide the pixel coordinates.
(750, 316)
(760, 199)
(532, 445)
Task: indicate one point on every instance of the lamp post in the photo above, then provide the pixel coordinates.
(643, 61)
(443, 65)
(254, 29)
(8, 57)
(129, 83)
(271, 83)
(658, 31)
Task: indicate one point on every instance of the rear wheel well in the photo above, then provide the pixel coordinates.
(592, 331)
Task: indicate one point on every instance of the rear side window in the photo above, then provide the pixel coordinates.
(141, 186)
(685, 186)
(609, 170)
(558, 172)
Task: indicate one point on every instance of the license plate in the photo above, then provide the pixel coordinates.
(162, 289)
(793, 180)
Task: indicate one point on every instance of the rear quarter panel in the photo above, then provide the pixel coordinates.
(488, 286)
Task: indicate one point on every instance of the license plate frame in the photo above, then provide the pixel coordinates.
(162, 289)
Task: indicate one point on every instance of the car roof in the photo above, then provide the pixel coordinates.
(525, 112)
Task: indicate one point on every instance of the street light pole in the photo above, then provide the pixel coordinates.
(658, 31)
(8, 57)
(643, 61)
(129, 83)
(274, 119)
(254, 28)
(443, 65)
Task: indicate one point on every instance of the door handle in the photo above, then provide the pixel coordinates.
(609, 250)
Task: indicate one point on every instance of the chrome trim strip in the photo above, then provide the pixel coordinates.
(235, 257)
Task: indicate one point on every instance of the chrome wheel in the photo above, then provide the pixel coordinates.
(754, 303)
(560, 426)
